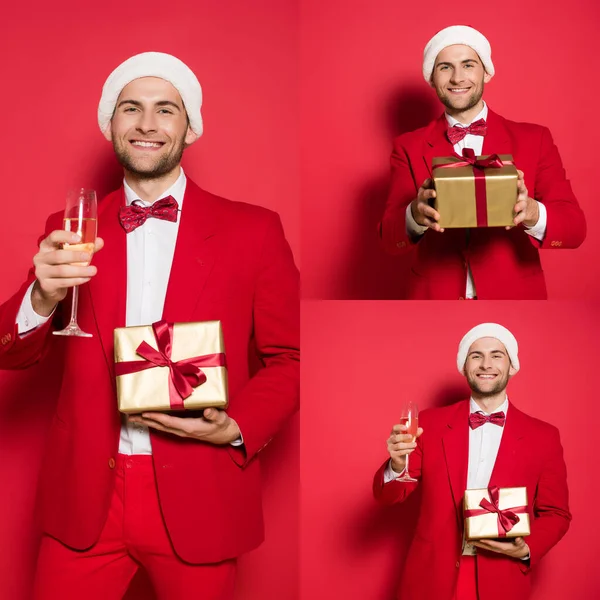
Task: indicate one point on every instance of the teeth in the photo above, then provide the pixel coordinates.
(146, 144)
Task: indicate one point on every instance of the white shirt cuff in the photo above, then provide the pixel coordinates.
(27, 318)
(413, 229)
(238, 442)
(389, 474)
(538, 231)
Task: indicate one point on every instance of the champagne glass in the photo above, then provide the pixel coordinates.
(409, 416)
(81, 213)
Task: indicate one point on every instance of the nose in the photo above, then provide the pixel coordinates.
(457, 77)
(147, 122)
(486, 362)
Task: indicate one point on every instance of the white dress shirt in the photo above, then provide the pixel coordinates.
(475, 142)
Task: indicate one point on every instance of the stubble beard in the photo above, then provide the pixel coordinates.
(164, 165)
(474, 101)
(498, 387)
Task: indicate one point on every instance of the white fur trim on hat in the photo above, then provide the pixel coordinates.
(457, 34)
(492, 330)
(153, 64)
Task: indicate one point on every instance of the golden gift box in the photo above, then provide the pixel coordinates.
(170, 366)
(475, 191)
(496, 513)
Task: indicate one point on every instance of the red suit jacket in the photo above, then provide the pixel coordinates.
(530, 455)
(231, 263)
(504, 264)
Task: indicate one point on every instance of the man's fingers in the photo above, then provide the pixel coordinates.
(61, 257)
(98, 244)
(520, 174)
(57, 238)
(214, 415)
(64, 271)
(160, 427)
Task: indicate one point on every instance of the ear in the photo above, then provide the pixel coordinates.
(486, 77)
(190, 136)
(512, 371)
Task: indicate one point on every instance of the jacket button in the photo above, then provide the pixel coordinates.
(457, 564)
(111, 463)
(401, 244)
(460, 298)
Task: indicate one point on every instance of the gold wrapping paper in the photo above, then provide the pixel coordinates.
(148, 390)
(455, 193)
(486, 526)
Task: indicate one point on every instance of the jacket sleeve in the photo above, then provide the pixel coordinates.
(22, 351)
(403, 190)
(566, 225)
(272, 395)
(551, 516)
(398, 491)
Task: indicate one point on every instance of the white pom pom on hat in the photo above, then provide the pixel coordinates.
(153, 64)
(451, 36)
(492, 330)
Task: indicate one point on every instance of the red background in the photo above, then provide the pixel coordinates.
(360, 359)
(361, 86)
(56, 58)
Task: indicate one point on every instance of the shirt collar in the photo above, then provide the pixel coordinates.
(482, 115)
(475, 407)
(177, 190)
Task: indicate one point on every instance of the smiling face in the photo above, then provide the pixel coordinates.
(488, 367)
(149, 128)
(459, 78)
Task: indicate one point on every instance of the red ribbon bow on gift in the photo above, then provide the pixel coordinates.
(507, 518)
(133, 216)
(184, 375)
(469, 159)
(457, 133)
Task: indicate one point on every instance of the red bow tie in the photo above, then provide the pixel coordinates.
(457, 133)
(477, 419)
(134, 215)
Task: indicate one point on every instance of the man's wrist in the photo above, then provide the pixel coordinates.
(40, 304)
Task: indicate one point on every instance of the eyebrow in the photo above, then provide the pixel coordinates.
(498, 351)
(160, 103)
(464, 62)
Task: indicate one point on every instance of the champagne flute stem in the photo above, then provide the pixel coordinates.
(74, 305)
(406, 474)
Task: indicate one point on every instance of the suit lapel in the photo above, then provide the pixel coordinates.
(510, 448)
(456, 452)
(497, 140)
(108, 289)
(195, 253)
(436, 142)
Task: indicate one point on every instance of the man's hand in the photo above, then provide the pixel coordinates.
(422, 213)
(516, 548)
(399, 445)
(57, 270)
(526, 209)
(215, 426)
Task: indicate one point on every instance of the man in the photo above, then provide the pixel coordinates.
(178, 496)
(484, 263)
(478, 443)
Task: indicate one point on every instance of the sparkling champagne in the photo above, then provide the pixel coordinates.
(86, 228)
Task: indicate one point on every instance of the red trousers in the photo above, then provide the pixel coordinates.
(134, 536)
(466, 585)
